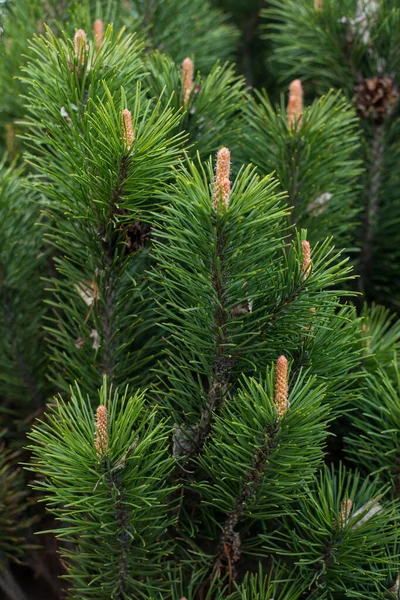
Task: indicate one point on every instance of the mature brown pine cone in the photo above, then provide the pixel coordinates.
(376, 97)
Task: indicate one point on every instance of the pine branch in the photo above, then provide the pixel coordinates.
(107, 483)
(100, 195)
(338, 528)
(230, 539)
(253, 459)
(211, 105)
(316, 158)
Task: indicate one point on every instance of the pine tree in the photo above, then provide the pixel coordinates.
(333, 534)
(216, 414)
(246, 438)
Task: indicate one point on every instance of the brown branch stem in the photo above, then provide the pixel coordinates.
(110, 241)
(223, 364)
(121, 516)
(372, 193)
(229, 545)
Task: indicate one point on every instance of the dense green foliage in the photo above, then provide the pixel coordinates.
(202, 404)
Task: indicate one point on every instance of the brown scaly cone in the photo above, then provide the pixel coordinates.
(281, 386)
(376, 98)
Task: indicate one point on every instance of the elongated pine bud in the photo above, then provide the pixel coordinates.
(318, 5)
(345, 510)
(79, 41)
(98, 30)
(222, 185)
(101, 439)
(187, 79)
(128, 128)
(225, 191)
(281, 386)
(306, 266)
(295, 104)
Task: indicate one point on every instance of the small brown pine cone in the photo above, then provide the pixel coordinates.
(376, 97)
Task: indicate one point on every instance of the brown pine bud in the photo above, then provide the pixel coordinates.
(79, 41)
(306, 266)
(318, 5)
(98, 30)
(222, 185)
(281, 386)
(225, 191)
(101, 439)
(128, 128)
(295, 104)
(346, 506)
(187, 79)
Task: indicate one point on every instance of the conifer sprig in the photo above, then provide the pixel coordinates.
(317, 162)
(259, 458)
(99, 199)
(214, 106)
(336, 46)
(238, 296)
(112, 506)
(332, 539)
